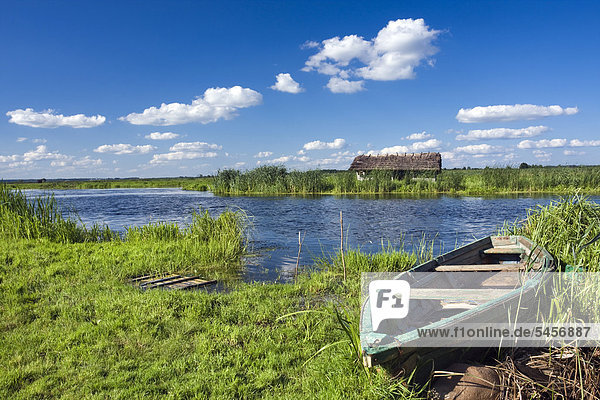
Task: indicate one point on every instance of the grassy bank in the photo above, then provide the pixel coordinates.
(71, 326)
(278, 180)
(200, 184)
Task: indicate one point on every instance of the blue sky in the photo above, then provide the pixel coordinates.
(485, 83)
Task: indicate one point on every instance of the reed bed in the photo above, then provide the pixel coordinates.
(207, 240)
(278, 180)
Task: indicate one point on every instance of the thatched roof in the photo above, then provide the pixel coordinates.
(399, 162)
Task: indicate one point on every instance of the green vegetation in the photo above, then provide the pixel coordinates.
(199, 184)
(71, 326)
(278, 180)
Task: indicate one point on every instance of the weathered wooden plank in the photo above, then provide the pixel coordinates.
(172, 282)
(166, 278)
(481, 267)
(457, 294)
(504, 250)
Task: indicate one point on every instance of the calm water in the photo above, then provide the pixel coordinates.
(368, 220)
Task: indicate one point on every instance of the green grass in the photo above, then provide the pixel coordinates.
(199, 184)
(71, 326)
(487, 181)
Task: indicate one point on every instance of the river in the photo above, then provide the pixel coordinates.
(369, 221)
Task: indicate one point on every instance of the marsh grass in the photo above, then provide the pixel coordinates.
(278, 180)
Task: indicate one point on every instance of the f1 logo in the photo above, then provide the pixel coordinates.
(388, 300)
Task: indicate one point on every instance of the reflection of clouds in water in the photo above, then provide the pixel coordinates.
(368, 221)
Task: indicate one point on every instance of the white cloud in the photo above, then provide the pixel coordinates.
(194, 146)
(503, 133)
(216, 104)
(415, 147)
(309, 44)
(162, 136)
(180, 155)
(123, 148)
(393, 54)
(542, 155)
(418, 136)
(47, 119)
(426, 145)
(573, 153)
(319, 145)
(11, 158)
(479, 149)
(263, 154)
(21, 139)
(541, 144)
(584, 143)
(339, 85)
(42, 153)
(38, 140)
(283, 159)
(87, 161)
(511, 113)
(285, 83)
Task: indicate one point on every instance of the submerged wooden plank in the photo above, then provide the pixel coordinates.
(481, 267)
(458, 294)
(155, 281)
(171, 282)
(168, 282)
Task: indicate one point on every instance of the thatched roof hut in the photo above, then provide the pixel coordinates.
(398, 162)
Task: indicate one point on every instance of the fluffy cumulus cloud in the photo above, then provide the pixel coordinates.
(162, 136)
(40, 153)
(215, 104)
(584, 143)
(123, 148)
(476, 149)
(194, 146)
(180, 155)
(339, 85)
(542, 144)
(48, 119)
(416, 147)
(319, 145)
(542, 155)
(503, 133)
(283, 160)
(511, 113)
(285, 83)
(418, 136)
(393, 54)
(263, 154)
(187, 151)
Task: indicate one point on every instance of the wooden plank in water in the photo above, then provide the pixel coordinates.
(458, 294)
(155, 281)
(481, 267)
(172, 282)
(504, 250)
(168, 282)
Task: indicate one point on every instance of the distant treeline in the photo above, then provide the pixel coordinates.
(278, 180)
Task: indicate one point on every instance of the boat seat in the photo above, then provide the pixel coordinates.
(481, 267)
(457, 294)
(504, 250)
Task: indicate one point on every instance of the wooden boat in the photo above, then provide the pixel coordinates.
(494, 255)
